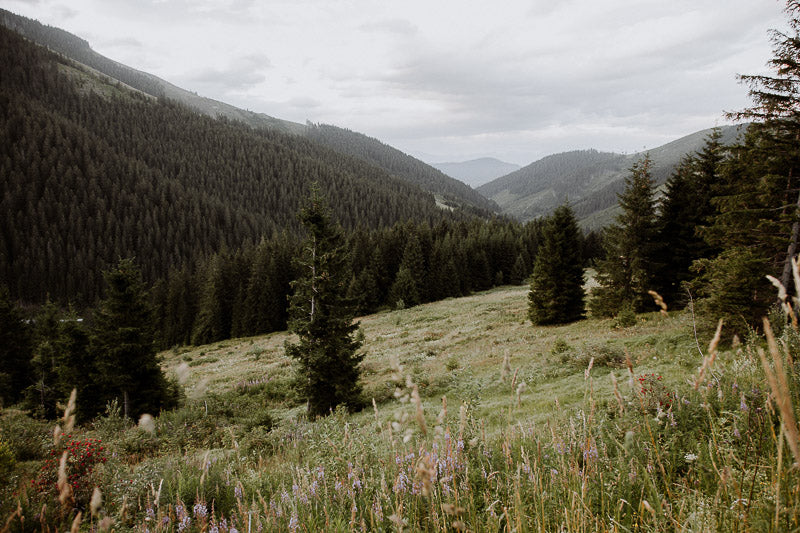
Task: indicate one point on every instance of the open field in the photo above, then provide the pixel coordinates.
(480, 422)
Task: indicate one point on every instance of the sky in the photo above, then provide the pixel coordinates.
(449, 80)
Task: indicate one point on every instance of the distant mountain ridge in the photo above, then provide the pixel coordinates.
(448, 191)
(477, 172)
(590, 180)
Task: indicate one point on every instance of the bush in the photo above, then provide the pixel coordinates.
(27, 438)
(626, 317)
(83, 455)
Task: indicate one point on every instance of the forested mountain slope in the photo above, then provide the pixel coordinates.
(589, 179)
(453, 192)
(79, 50)
(372, 151)
(92, 171)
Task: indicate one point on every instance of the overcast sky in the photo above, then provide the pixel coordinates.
(448, 80)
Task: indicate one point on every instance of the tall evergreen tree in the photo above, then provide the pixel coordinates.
(757, 224)
(15, 351)
(123, 347)
(685, 207)
(776, 105)
(556, 295)
(626, 274)
(410, 279)
(327, 352)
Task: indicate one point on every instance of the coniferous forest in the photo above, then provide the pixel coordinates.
(132, 224)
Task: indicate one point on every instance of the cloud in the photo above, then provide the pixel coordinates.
(238, 76)
(396, 26)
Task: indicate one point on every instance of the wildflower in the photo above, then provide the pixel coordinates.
(690, 457)
(377, 509)
(200, 510)
(294, 522)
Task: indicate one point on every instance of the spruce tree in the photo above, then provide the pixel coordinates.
(627, 272)
(776, 110)
(556, 295)
(685, 208)
(757, 224)
(410, 279)
(15, 351)
(122, 345)
(322, 317)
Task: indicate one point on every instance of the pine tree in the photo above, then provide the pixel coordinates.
(327, 352)
(556, 295)
(15, 351)
(686, 207)
(626, 274)
(123, 347)
(757, 224)
(410, 279)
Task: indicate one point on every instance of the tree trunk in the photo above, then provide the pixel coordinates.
(791, 251)
(125, 403)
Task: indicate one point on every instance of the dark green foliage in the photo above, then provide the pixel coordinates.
(685, 207)
(757, 222)
(15, 351)
(556, 295)
(396, 163)
(61, 363)
(122, 346)
(627, 272)
(93, 172)
(327, 352)
(410, 279)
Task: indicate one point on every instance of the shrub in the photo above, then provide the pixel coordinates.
(626, 317)
(26, 437)
(83, 455)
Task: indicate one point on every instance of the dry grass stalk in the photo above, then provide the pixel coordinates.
(588, 369)
(419, 415)
(424, 472)
(64, 488)
(76, 523)
(617, 395)
(506, 369)
(69, 412)
(780, 390)
(105, 523)
(659, 302)
(708, 360)
(96, 502)
(15, 514)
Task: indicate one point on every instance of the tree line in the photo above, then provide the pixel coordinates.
(93, 171)
(246, 292)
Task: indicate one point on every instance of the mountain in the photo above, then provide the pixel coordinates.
(449, 192)
(93, 171)
(79, 50)
(477, 172)
(589, 179)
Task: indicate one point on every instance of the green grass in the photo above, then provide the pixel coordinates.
(545, 444)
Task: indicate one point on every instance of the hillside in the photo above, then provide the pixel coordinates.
(474, 419)
(590, 179)
(94, 171)
(345, 142)
(79, 50)
(450, 191)
(477, 172)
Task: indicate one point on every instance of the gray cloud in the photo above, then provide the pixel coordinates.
(397, 26)
(240, 75)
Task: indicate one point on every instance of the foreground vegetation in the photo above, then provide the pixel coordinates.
(479, 422)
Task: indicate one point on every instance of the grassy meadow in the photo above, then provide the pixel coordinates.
(475, 421)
